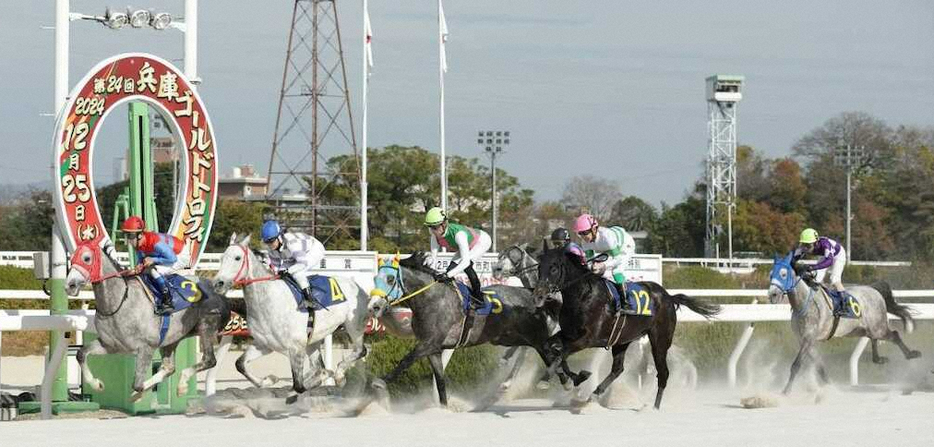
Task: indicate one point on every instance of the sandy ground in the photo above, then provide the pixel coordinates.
(708, 415)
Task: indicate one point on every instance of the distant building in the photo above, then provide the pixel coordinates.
(163, 149)
(243, 183)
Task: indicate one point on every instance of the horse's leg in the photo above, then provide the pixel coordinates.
(511, 351)
(253, 353)
(619, 357)
(897, 339)
(876, 358)
(438, 369)
(297, 357)
(420, 350)
(359, 352)
(515, 367)
(208, 360)
(143, 362)
(806, 344)
(661, 342)
(320, 373)
(93, 348)
(819, 366)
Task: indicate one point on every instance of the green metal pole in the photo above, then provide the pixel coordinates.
(58, 306)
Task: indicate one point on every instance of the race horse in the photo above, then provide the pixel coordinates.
(587, 318)
(517, 261)
(278, 322)
(812, 316)
(125, 321)
(511, 316)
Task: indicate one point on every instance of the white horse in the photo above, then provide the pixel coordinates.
(812, 316)
(277, 324)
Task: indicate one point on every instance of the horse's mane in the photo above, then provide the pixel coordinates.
(417, 262)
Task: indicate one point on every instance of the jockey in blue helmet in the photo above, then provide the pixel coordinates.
(294, 254)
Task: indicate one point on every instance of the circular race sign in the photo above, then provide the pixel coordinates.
(119, 79)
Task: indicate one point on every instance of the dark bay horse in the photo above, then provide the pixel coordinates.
(438, 317)
(588, 321)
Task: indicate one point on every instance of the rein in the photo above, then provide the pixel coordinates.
(240, 278)
(126, 284)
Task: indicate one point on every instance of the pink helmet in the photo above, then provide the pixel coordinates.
(584, 223)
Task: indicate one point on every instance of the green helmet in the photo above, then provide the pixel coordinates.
(808, 236)
(435, 216)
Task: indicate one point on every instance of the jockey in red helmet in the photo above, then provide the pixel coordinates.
(160, 254)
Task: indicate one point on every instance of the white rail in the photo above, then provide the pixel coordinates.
(83, 320)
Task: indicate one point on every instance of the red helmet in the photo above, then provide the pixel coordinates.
(133, 224)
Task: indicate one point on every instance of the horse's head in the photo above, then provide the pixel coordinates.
(552, 271)
(234, 266)
(782, 279)
(509, 261)
(86, 267)
(388, 286)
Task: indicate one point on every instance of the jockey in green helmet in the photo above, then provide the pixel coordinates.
(468, 243)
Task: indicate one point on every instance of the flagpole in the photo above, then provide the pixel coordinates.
(441, 56)
(364, 223)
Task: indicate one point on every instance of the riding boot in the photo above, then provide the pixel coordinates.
(310, 301)
(624, 306)
(164, 306)
(476, 292)
(839, 303)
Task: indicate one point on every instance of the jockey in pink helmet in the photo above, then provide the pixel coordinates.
(616, 243)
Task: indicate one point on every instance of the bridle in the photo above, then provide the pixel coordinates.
(241, 278)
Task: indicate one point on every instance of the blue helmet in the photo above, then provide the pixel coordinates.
(271, 230)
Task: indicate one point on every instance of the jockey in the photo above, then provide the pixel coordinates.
(159, 253)
(616, 243)
(832, 255)
(294, 254)
(560, 237)
(470, 243)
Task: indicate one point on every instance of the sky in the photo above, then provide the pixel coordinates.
(609, 89)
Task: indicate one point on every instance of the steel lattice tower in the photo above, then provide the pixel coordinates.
(723, 94)
(314, 82)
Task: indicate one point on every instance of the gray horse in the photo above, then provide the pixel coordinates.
(517, 261)
(438, 318)
(125, 322)
(277, 324)
(812, 316)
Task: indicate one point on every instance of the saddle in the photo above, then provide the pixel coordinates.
(636, 296)
(492, 303)
(184, 292)
(324, 289)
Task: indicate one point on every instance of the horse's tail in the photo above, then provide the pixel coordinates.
(891, 306)
(703, 307)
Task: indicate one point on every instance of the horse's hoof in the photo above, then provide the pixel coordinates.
(882, 360)
(543, 385)
(136, 396)
(913, 354)
(291, 399)
(503, 387)
(97, 385)
(568, 385)
(378, 384)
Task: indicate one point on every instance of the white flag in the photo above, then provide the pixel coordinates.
(443, 29)
(369, 39)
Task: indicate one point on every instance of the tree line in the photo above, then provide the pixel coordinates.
(892, 199)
